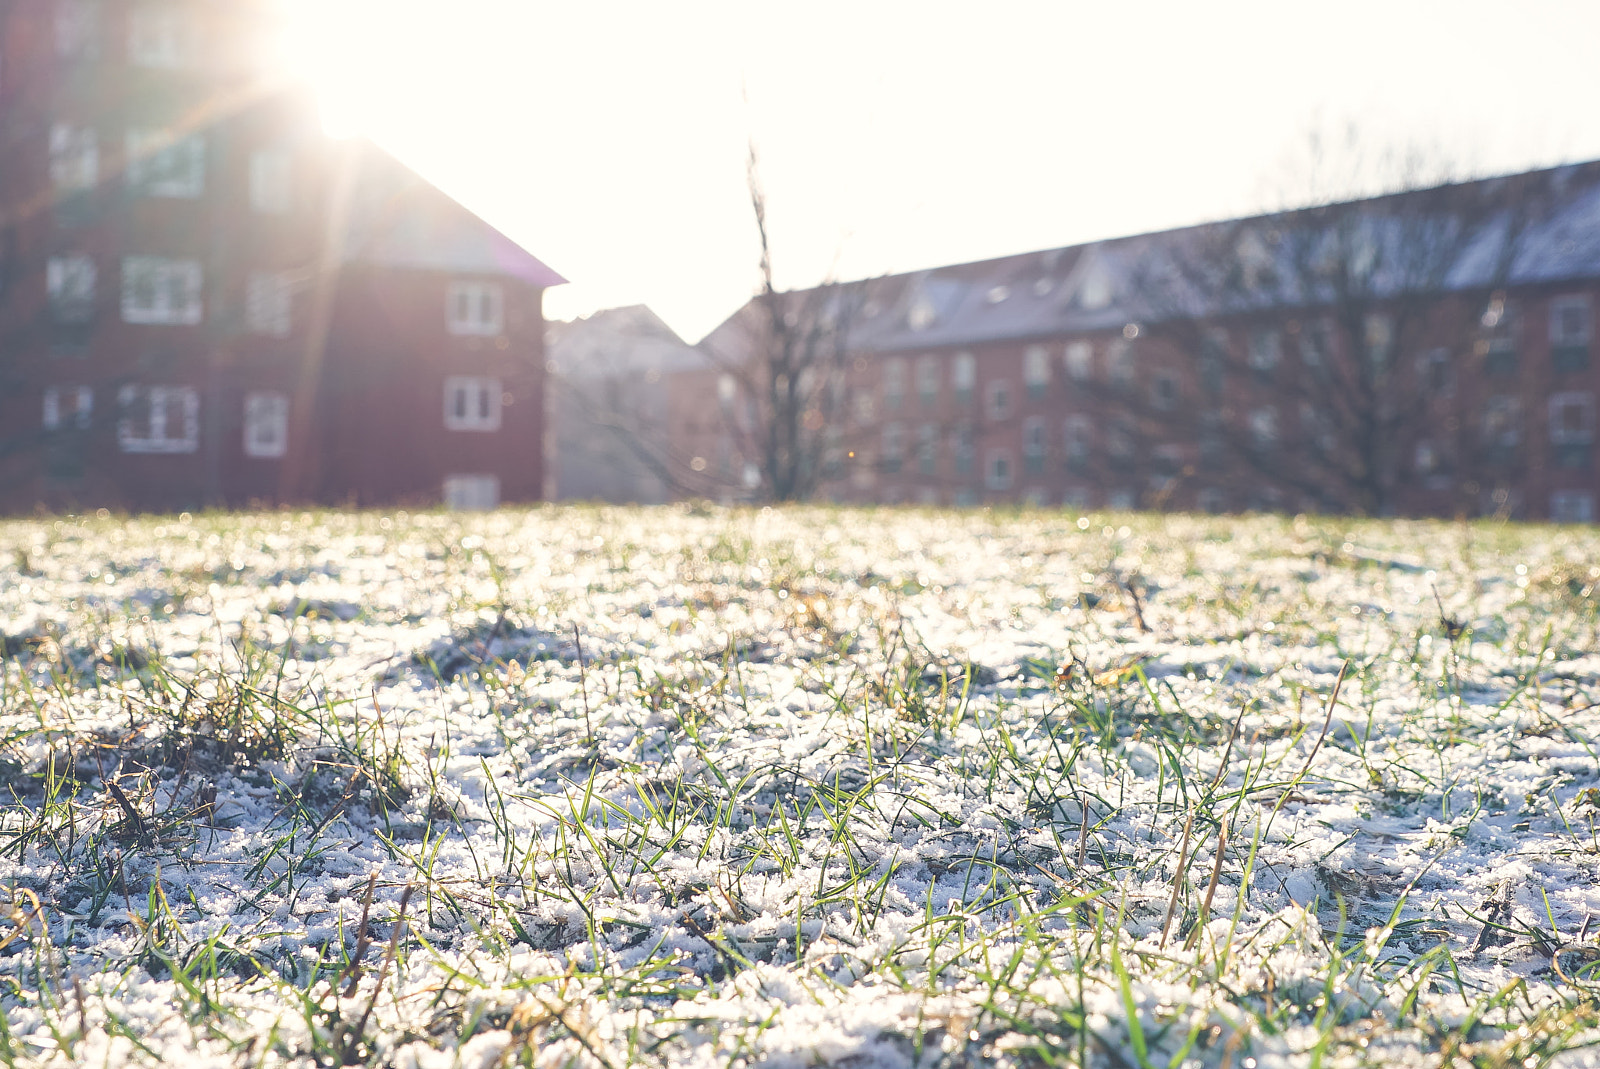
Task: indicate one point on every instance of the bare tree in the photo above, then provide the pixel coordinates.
(1322, 350)
(788, 354)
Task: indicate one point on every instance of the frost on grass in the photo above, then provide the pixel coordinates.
(808, 787)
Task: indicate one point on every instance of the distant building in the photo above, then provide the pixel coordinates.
(1425, 353)
(609, 407)
(207, 301)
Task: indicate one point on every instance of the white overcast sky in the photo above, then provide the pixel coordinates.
(610, 138)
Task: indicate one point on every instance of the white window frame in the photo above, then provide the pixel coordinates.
(74, 157)
(82, 398)
(171, 422)
(471, 493)
(475, 308)
(271, 181)
(160, 35)
(171, 292)
(70, 285)
(269, 303)
(1583, 400)
(1080, 361)
(472, 403)
(1035, 439)
(963, 376)
(161, 165)
(1560, 305)
(1036, 370)
(266, 424)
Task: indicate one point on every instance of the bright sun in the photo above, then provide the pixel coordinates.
(368, 60)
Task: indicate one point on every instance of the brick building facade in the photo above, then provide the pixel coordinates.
(1103, 375)
(207, 301)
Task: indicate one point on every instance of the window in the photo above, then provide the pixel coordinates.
(861, 404)
(894, 446)
(1036, 371)
(476, 308)
(1213, 359)
(999, 402)
(70, 284)
(1033, 445)
(74, 157)
(1080, 361)
(472, 403)
(964, 377)
(269, 303)
(1119, 363)
(1212, 500)
(894, 384)
(962, 449)
(1164, 392)
(160, 165)
(1120, 444)
(159, 35)
(1266, 348)
(1076, 498)
(77, 29)
(158, 419)
(1379, 331)
(1315, 342)
(1436, 374)
(1425, 458)
(997, 470)
(269, 181)
(1572, 428)
(1121, 499)
(67, 406)
(471, 493)
(1570, 327)
(156, 289)
(1316, 429)
(1076, 436)
(928, 381)
(1572, 506)
(1264, 428)
(266, 424)
(1502, 427)
(927, 448)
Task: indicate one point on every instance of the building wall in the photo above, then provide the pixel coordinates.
(380, 381)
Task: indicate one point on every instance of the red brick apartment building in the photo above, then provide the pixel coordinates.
(204, 300)
(1425, 353)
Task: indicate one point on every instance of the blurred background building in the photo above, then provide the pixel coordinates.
(208, 301)
(1424, 353)
(608, 407)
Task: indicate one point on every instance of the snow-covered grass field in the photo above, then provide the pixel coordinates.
(800, 787)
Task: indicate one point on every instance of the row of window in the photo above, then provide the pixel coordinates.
(159, 35)
(160, 163)
(166, 419)
(1571, 425)
(168, 290)
(1571, 327)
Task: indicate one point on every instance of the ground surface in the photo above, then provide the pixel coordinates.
(802, 787)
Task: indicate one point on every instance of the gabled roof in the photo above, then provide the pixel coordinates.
(1555, 215)
(398, 219)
